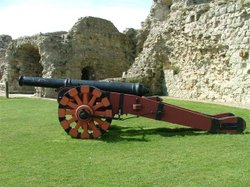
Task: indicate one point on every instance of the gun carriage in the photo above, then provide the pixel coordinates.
(86, 108)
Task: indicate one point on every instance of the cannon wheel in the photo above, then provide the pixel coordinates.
(85, 112)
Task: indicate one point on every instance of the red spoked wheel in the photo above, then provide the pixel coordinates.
(85, 112)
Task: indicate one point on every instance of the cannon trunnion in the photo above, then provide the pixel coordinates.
(87, 108)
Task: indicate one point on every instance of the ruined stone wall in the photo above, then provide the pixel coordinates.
(196, 49)
(34, 56)
(97, 46)
(186, 48)
(4, 43)
(92, 49)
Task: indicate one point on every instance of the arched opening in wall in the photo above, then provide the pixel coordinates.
(26, 62)
(88, 73)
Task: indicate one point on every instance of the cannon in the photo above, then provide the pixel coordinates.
(86, 108)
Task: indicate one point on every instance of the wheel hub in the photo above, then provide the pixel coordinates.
(84, 113)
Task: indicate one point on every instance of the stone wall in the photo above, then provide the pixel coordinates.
(97, 45)
(92, 49)
(196, 49)
(4, 43)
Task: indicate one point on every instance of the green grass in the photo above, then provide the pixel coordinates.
(35, 151)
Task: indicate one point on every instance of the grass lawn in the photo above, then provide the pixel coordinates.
(35, 151)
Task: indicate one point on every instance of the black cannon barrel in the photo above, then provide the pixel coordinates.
(128, 88)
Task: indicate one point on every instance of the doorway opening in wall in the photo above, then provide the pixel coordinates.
(26, 62)
(87, 73)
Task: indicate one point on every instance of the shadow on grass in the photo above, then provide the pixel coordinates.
(117, 133)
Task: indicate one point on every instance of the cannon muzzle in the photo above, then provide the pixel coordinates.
(127, 88)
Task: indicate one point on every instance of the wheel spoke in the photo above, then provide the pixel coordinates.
(104, 125)
(97, 106)
(73, 119)
(106, 113)
(65, 124)
(72, 105)
(78, 100)
(61, 112)
(85, 134)
(85, 98)
(96, 132)
(78, 125)
(73, 92)
(92, 101)
(70, 112)
(85, 91)
(73, 133)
